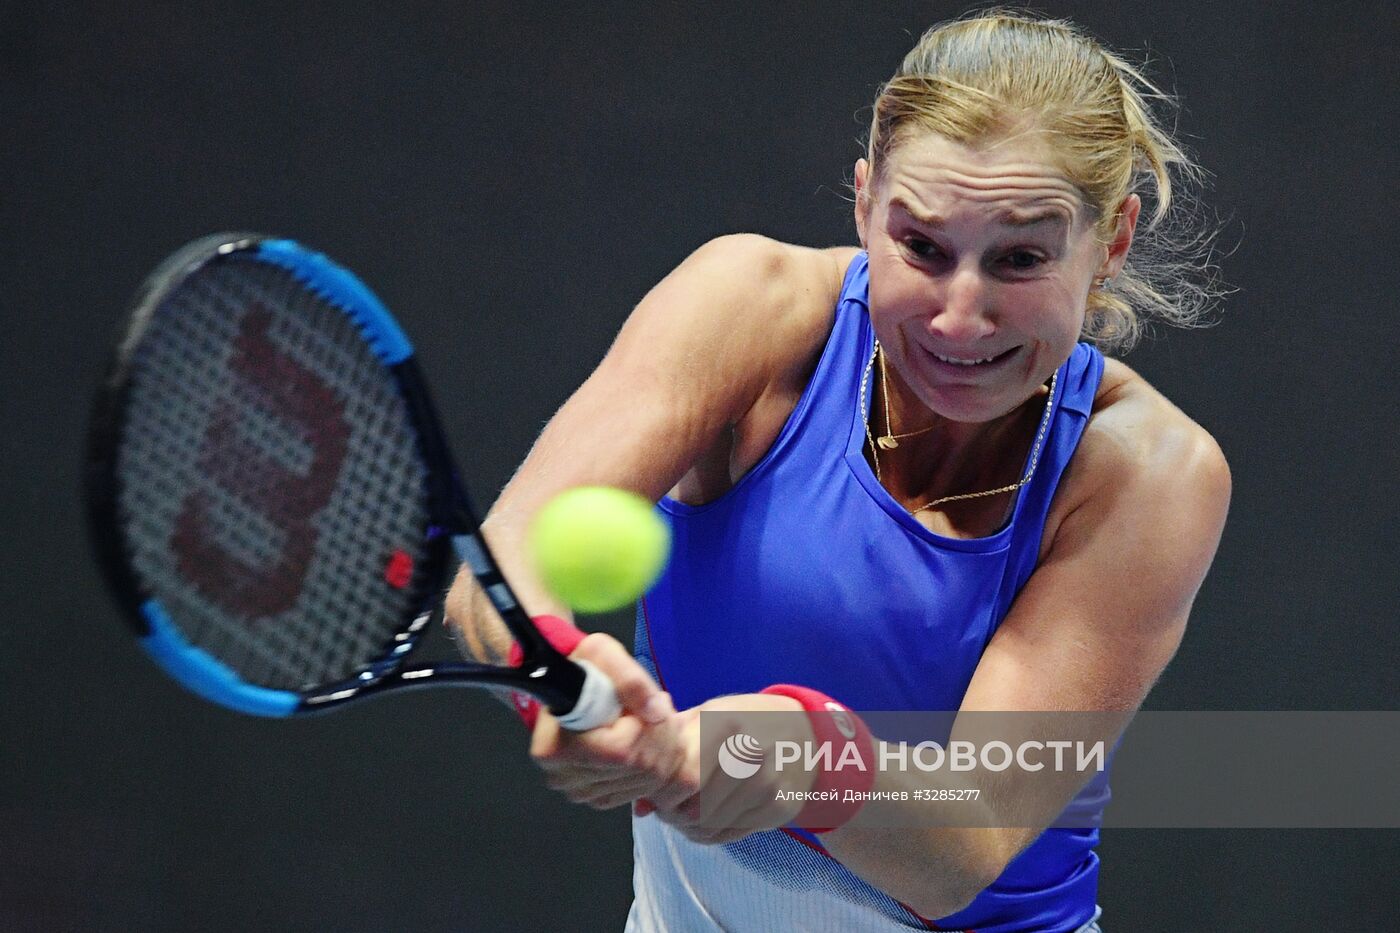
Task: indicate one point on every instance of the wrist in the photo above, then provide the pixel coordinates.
(847, 772)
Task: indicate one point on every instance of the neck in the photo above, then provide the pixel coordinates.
(948, 457)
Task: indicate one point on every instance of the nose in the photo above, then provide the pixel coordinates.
(964, 316)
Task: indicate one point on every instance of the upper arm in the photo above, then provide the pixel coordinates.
(690, 360)
(1105, 610)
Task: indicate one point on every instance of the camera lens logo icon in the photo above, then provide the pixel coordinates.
(740, 756)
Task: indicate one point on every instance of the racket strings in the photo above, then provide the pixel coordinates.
(268, 472)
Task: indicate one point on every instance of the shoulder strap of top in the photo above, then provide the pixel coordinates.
(1079, 384)
(824, 409)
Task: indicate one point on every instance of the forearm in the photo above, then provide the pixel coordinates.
(935, 869)
(470, 614)
(933, 854)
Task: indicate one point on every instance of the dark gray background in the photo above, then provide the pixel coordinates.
(511, 180)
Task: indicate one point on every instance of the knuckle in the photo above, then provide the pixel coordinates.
(608, 756)
(652, 762)
(577, 794)
(632, 682)
(596, 645)
(678, 793)
(672, 765)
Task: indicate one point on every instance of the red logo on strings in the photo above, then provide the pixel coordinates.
(283, 390)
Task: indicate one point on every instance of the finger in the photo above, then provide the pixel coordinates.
(726, 826)
(582, 772)
(605, 795)
(616, 797)
(544, 738)
(671, 758)
(717, 802)
(564, 778)
(743, 814)
(606, 746)
(636, 691)
(710, 837)
(730, 835)
(715, 837)
(670, 794)
(719, 799)
(648, 769)
(650, 755)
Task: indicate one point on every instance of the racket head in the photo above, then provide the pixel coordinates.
(268, 489)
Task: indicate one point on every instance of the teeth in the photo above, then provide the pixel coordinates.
(957, 362)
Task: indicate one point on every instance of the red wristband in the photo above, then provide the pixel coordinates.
(852, 760)
(565, 638)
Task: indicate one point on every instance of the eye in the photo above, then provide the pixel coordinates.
(1023, 260)
(921, 248)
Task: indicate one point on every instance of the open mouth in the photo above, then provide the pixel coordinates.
(961, 365)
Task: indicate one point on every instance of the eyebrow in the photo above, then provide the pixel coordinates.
(1008, 218)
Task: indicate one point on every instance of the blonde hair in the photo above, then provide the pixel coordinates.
(998, 73)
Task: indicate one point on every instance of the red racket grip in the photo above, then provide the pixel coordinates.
(564, 637)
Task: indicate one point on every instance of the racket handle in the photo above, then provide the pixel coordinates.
(597, 703)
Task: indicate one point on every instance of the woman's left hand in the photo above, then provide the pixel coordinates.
(706, 804)
(665, 769)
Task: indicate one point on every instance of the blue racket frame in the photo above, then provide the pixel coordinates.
(452, 534)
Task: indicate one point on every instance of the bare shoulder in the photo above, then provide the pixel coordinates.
(785, 288)
(789, 304)
(750, 259)
(811, 283)
(1141, 424)
(804, 283)
(814, 277)
(1137, 437)
(783, 313)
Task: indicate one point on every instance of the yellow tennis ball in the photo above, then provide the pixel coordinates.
(599, 548)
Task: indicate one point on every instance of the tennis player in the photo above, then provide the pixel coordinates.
(899, 477)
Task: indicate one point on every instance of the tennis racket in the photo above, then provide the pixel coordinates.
(272, 498)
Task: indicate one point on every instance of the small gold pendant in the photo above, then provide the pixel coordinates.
(888, 443)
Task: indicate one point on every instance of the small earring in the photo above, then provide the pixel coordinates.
(1105, 282)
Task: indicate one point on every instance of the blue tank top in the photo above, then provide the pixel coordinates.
(807, 571)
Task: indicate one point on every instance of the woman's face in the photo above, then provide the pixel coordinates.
(981, 261)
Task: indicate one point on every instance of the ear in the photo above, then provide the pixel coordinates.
(1122, 237)
(863, 197)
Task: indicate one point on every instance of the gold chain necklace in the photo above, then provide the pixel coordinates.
(890, 440)
(874, 448)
